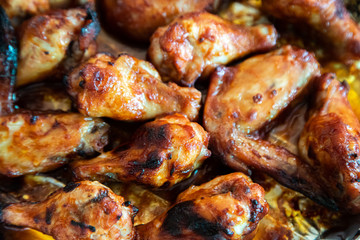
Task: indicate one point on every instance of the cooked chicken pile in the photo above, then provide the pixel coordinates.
(187, 143)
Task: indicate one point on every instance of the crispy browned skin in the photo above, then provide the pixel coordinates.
(54, 42)
(194, 44)
(23, 8)
(164, 151)
(82, 210)
(243, 99)
(227, 207)
(330, 143)
(329, 17)
(129, 89)
(8, 63)
(139, 19)
(31, 143)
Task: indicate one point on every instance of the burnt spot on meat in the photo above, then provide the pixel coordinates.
(127, 203)
(83, 225)
(111, 63)
(256, 208)
(183, 217)
(70, 186)
(153, 161)
(37, 219)
(33, 119)
(82, 84)
(103, 193)
(49, 213)
(257, 98)
(118, 217)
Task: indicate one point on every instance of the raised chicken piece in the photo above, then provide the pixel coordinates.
(32, 143)
(55, 42)
(82, 210)
(193, 45)
(24, 8)
(330, 143)
(8, 63)
(329, 17)
(140, 18)
(128, 89)
(227, 207)
(241, 103)
(162, 153)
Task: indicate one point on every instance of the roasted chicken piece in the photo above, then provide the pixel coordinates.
(8, 63)
(330, 143)
(31, 142)
(227, 207)
(328, 17)
(193, 45)
(139, 19)
(54, 42)
(23, 8)
(129, 89)
(82, 210)
(163, 152)
(242, 102)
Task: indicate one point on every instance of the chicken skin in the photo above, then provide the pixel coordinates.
(82, 210)
(162, 153)
(329, 17)
(54, 42)
(8, 63)
(227, 207)
(330, 143)
(128, 89)
(242, 102)
(193, 45)
(23, 8)
(140, 18)
(31, 143)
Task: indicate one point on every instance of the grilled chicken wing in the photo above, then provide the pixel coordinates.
(83, 210)
(31, 143)
(23, 8)
(8, 63)
(227, 207)
(194, 44)
(139, 19)
(165, 151)
(329, 17)
(330, 143)
(244, 99)
(54, 42)
(127, 89)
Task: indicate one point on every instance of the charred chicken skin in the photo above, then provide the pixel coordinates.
(330, 143)
(82, 210)
(128, 89)
(47, 39)
(193, 45)
(329, 17)
(32, 143)
(227, 207)
(140, 18)
(162, 152)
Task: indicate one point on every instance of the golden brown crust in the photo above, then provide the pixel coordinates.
(23, 8)
(329, 17)
(162, 152)
(227, 207)
(193, 45)
(82, 210)
(129, 89)
(138, 19)
(32, 143)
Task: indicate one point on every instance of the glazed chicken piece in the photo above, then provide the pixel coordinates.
(83, 210)
(32, 143)
(242, 102)
(128, 89)
(8, 63)
(329, 17)
(139, 19)
(23, 8)
(330, 143)
(227, 207)
(55, 42)
(162, 153)
(193, 45)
